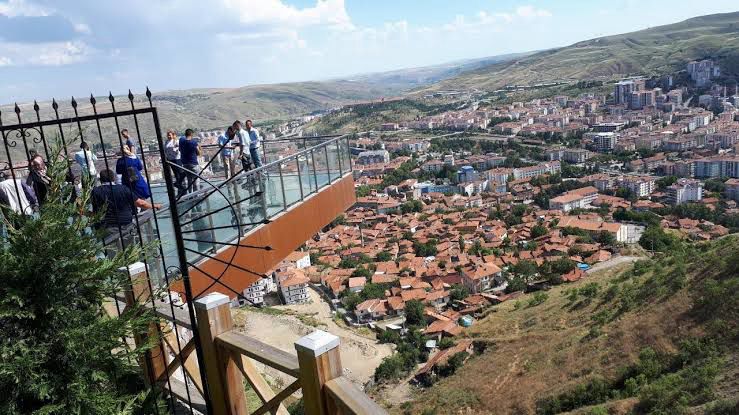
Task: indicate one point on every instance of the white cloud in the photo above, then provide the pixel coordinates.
(487, 21)
(44, 54)
(15, 8)
(276, 13)
(531, 11)
(61, 53)
(82, 28)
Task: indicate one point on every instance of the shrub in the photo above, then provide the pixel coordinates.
(539, 298)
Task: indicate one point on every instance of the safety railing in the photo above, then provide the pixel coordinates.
(316, 368)
(218, 213)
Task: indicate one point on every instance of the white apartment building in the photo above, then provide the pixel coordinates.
(575, 199)
(684, 191)
(576, 155)
(293, 286)
(641, 186)
(255, 292)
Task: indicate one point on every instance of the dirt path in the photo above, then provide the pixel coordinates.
(613, 262)
(359, 355)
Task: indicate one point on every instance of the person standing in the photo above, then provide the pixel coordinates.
(16, 195)
(86, 159)
(38, 180)
(255, 142)
(129, 141)
(172, 152)
(119, 204)
(130, 168)
(190, 150)
(224, 141)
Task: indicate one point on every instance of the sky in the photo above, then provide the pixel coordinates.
(60, 48)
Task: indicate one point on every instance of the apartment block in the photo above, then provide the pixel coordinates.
(575, 199)
(684, 191)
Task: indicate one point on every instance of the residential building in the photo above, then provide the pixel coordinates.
(603, 142)
(576, 155)
(298, 259)
(575, 199)
(293, 286)
(703, 71)
(641, 186)
(373, 157)
(254, 293)
(372, 309)
(732, 189)
(619, 231)
(480, 278)
(684, 191)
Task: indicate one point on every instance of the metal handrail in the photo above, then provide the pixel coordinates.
(256, 171)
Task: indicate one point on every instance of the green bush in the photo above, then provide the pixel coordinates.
(539, 297)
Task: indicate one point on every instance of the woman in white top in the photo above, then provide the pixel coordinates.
(172, 152)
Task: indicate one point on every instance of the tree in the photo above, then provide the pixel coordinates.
(459, 292)
(606, 238)
(663, 182)
(414, 313)
(538, 230)
(411, 206)
(525, 268)
(516, 284)
(60, 351)
(460, 241)
(383, 256)
(656, 239)
(363, 191)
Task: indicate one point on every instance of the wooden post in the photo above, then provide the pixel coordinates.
(138, 293)
(225, 381)
(319, 359)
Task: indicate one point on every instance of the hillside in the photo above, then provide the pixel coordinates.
(657, 50)
(656, 337)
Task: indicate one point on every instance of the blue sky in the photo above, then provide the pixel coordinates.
(74, 47)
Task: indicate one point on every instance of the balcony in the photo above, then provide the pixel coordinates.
(279, 205)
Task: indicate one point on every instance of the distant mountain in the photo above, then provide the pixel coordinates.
(656, 50)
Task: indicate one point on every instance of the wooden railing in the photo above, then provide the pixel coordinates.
(229, 356)
(229, 360)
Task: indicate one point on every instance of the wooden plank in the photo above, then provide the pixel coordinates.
(180, 315)
(292, 388)
(177, 361)
(179, 390)
(260, 386)
(320, 361)
(261, 352)
(190, 366)
(349, 400)
(225, 382)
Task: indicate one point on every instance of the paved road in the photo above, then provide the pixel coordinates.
(613, 262)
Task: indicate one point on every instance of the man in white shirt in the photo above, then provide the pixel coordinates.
(86, 159)
(255, 141)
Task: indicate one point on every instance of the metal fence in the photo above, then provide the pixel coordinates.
(189, 228)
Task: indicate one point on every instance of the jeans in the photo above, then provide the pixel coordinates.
(192, 178)
(254, 152)
(177, 174)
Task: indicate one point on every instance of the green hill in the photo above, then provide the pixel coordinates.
(657, 337)
(657, 50)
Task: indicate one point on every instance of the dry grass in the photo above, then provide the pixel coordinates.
(538, 351)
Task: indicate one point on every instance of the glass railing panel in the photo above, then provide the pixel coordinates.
(307, 176)
(321, 165)
(291, 181)
(334, 166)
(273, 196)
